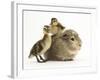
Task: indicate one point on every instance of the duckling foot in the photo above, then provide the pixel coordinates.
(45, 60)
(40, 61)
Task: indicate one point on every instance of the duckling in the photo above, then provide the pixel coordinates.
(56, 28)
(42, 45)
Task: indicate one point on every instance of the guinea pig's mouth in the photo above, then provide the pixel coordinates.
(75, 48)
(79, 48)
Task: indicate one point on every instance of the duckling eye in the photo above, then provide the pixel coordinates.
(72, 39)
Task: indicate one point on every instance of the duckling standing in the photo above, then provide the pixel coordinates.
(42, 45)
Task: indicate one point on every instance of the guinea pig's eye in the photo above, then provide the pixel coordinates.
(72, 39)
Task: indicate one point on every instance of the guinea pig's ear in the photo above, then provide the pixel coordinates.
(65, 36)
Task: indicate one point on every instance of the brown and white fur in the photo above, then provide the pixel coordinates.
(65, 48)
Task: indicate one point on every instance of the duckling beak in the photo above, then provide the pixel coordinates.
(44, 28)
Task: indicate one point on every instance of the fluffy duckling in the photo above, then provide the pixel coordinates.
(56, 28)
(42, 45)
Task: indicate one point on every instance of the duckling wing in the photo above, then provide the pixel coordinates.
(37, 48)
(60, 26)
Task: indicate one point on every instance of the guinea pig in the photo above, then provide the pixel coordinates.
(64, 48)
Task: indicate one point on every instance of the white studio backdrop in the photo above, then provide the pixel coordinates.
(33, 31)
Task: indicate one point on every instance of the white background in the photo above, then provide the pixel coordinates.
(5, 41)
(33, 31)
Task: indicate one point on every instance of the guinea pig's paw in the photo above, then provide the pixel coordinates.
(68, 59)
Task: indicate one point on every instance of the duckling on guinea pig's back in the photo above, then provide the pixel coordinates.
(56, 28)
